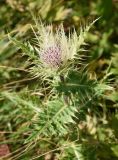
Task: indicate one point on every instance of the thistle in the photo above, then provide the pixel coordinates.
(55, 49)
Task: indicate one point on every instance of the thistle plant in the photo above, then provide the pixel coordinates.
(56, 99)
(66, 93)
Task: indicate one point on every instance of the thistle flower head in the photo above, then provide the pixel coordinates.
(51, 56)
(55, 48)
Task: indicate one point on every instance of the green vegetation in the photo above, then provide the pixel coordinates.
(67, 110)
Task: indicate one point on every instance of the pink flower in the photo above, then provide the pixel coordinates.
(51, 56)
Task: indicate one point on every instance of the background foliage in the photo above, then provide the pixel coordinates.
(43, 120)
